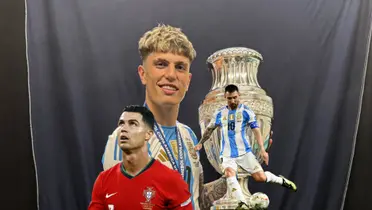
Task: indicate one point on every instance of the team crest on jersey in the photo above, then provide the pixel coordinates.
(149, 193)
(239, 117)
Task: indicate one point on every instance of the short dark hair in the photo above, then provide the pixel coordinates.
(147, 115)
(231, 88)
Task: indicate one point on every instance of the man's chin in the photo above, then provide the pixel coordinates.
(125, 147)
(169, 101)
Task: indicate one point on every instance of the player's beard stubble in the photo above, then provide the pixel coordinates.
(233, 106)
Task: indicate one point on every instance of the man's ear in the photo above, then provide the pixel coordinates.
(141, 74)
(149, 134)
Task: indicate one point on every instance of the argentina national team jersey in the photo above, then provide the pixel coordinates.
(234, 139)
(170, 136)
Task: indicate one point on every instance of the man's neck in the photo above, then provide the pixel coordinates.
(164, 115)
(135, 161)
(229, 108)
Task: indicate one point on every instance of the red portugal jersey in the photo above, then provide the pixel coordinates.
(156, 187)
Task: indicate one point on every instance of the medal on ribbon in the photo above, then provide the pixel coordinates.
(181, 158)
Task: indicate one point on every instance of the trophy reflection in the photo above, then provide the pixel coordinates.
(238, 66)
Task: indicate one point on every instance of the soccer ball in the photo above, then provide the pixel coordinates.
(259, 201)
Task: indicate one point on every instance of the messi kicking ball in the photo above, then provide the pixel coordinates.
(259, 201)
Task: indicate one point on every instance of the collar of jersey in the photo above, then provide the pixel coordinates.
(125, 173)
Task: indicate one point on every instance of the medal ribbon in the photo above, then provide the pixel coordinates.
(159, 134)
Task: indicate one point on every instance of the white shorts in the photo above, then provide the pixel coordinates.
(247, 162)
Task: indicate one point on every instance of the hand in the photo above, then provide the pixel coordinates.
(270, 141)
(198, 147)
(265, 157)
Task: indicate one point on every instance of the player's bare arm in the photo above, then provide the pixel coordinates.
(264, 154)
(206, 135)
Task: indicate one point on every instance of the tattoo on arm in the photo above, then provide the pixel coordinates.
(207, 134)
(211, 192)
(202, 201)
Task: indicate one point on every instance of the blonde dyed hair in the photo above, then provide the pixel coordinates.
(166, 39)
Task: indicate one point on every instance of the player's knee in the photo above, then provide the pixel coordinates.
(229, 172)
(259, 176)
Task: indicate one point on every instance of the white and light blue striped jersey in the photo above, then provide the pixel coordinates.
(234, 141)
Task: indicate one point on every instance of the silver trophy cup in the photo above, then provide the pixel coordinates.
(239, 66)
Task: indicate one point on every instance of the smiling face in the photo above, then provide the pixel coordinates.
(133, 132)
(166, 77)
(166, 55)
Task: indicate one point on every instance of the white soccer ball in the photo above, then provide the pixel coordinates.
(259, 201)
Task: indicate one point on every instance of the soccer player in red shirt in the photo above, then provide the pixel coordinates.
(139, 182)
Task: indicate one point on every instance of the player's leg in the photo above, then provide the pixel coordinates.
(230, 168)
(269, 177)
(249, 163)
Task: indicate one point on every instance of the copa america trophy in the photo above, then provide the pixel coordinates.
(239, 66)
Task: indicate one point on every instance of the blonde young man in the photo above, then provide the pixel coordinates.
(167, 55)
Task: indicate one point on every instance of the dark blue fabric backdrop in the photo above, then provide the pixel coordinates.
(82, 66)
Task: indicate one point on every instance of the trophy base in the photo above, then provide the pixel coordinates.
(234, 205)
(226, 204)
(257, 201)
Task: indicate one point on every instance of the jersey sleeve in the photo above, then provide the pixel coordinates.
(193, 137)
(103, 155)
(97, 202)
(250, 118)
(111, 155)
(178, 195)
(215, 120)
